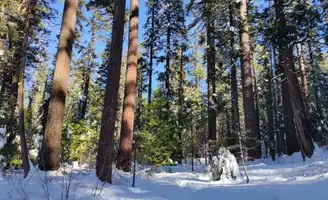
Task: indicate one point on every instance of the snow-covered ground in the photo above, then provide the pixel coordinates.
(287, 178)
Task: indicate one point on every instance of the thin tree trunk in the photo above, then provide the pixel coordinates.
(168, 91)
(280, 135)
(316, 83)
(180, 100)
(88, 70)
(251, 118)
(150, 72)
(21, 72)
(140, 91)
(125, 152)
(50, 156)
(269, 110)
(211, 86)
(235, 126)
(105, 145)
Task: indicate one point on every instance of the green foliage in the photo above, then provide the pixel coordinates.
(12, 155)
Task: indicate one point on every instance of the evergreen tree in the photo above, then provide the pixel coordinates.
(296, 116)
(105, 145)
(125, 152)
(50, 156)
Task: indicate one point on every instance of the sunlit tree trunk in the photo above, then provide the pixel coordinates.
(251, 118)
(50, 154)
(125, 151)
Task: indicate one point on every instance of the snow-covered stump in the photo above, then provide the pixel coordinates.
(224, 165)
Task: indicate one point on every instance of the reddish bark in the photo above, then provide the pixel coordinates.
(106, 143)
(50, 153)
(251, 118)
(125, 151)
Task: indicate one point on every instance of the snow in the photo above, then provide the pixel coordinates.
(3, 140)
(224, 166)
(34, 153)
(286, 178)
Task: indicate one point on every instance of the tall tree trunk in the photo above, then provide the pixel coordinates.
(140, 91)
(151, 56)
(291, 141)
(180, 103)
(251, 118)
(168, 91)
(318, 104)
(315, 66)
(125, 152)
(105, 145)
(235, 126)
(269, 110)
(300, 135)
(21, 72)
(50, 156)
(280, 135)
(88, 70)
(256, 92)
(211, 77)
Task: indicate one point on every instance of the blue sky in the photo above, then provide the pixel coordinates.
(100, 45)
(59, 6)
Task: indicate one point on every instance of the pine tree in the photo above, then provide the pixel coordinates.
(211, 72)
(151, 26)
(298, 128)
(233, 139)
(50, 156)
(251, 118)
(105, 145)
(89, 67)
(125, 152)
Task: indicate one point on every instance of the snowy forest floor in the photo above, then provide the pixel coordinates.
(287, 178)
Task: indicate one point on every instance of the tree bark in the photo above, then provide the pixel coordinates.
(211, 85)
(297, 123)
(270, 110)
(315, 66)
(88, 69)
(50, 156)
(105, 145)
(181, 104)
(21, 72)
(280, 135)
(304, 79)
(125, 151)
(251, 118)
(235, 126)
(151, 56)
(168, 91)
